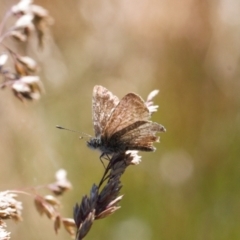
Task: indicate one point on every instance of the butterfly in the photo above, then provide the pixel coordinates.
(121, 125)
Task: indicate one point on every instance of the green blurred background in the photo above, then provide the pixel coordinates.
(190, 50)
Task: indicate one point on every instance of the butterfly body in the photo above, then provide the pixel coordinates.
(121, 125)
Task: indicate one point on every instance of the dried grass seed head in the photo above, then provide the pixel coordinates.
(26, 65)
(28, 87)
(87, 205)
(52, 200)
(10, 208)
(25, 21)
(108, 198)
(3, 60)
(69, 225)
(18, 35)
(57, 223)
(31, 17)
(21, 7)
(85, 226)
(4, 235)
(62, 184)
(149, 102)
(43, 207)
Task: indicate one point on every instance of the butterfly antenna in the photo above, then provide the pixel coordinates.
(63, 128)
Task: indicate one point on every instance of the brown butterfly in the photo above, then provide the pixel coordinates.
(121, 125)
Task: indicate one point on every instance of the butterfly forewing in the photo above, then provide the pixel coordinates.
(130, 109)
(103, 103)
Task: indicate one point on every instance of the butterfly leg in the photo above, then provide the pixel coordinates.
(105, 157)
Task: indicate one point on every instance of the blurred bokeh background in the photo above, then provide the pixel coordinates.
(189, 50)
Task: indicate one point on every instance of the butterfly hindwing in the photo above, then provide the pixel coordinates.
(138, 136)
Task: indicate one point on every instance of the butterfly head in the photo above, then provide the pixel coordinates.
(94, 143)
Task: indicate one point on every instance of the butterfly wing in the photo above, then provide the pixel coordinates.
(129, 110)
(103, 103)
(138, 136)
